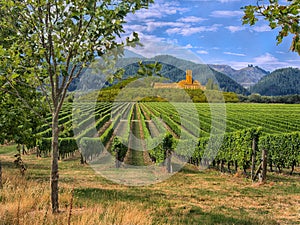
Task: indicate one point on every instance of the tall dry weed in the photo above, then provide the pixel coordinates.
(25, 202)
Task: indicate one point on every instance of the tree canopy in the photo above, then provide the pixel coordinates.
(285, 16)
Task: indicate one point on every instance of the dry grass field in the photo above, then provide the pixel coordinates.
(189, 197)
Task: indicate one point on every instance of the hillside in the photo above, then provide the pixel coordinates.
(247, 77)
(174, 70)
(280, 82)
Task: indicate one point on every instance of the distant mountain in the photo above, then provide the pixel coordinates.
(174, 69)
(247, 77)
(131, 54)
(280, 82)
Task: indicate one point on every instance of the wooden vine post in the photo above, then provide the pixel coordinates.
(264, 165)
(253, 159)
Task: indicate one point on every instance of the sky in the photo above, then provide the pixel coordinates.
(210, 32)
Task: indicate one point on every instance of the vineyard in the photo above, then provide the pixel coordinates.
(221, 132)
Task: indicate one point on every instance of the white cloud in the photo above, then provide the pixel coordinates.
(233, 53)
(234, 29)
(191, 19)
(294, 61)
(281, 52)
(226, 13)
(188, 46)
(202, 52)
(263, 28)
(270, 62)
(159, 9)
(151, 26)
(187, 31)
(134, 27)
(266, 58)
(153, 45)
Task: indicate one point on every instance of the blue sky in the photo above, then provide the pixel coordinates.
(209, 31)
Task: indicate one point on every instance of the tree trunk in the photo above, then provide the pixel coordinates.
(169, 159)
(293, 167)
(228, 167)
(54, 167)
(82, 159)
(1, 185)
(117, 159)
(23, 150)
(222, 166)
(235, 166)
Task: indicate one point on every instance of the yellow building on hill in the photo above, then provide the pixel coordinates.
(188, 83)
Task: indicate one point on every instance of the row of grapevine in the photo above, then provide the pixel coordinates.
(67, 146)
(283, 150)
(235, 147)
(93, 147)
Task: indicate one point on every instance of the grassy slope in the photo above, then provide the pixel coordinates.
(189, 197)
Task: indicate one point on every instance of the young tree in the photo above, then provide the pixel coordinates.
(120, 151)
(53, 41)
(285, 16)
(168, 146)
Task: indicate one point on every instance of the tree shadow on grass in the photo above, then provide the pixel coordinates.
(98, 195)
(165, 210)
(197, 216)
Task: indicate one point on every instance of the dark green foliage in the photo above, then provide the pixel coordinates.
(168, 142)
(290, 99)
(44, 145)
(284, 16)
(283, 149)
(105, 137)
(280, 82)
(119, 149)
(67, 146)
(90, 147)
(164, 149)
(19, 123)
(233, 147)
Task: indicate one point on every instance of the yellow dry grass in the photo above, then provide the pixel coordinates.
(27, 202)
(186, 198)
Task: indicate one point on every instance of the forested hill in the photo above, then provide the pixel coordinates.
(280, 82)
(174, 69)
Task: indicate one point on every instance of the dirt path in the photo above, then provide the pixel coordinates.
(137, 154)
